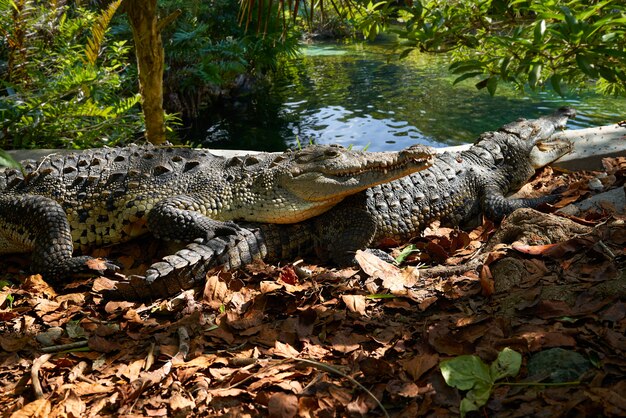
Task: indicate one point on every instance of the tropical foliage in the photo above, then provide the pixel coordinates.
(210, 55)
(533, 43)
(61, 84)
(525, 42)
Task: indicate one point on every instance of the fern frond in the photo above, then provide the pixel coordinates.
(97, 32)
(126, 104)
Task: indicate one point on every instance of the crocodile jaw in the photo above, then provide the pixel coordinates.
(546, 152)
(327, 187)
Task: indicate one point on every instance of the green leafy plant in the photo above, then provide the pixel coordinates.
(532, 43)
(208, 55)
(527, 43)
(57, 92)
(471, 374)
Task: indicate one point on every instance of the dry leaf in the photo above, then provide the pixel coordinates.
(355, 303)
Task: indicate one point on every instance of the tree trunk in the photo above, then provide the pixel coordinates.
(150, 58)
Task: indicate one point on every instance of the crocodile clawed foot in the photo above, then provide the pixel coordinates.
(382, 255)
(86, 266)
(222, 229)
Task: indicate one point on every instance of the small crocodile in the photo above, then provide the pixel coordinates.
(99, 197)
(455, 189)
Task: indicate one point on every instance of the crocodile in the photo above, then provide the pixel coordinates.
(98, 197)
(455, 189)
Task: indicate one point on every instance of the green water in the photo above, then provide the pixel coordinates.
(361, 95)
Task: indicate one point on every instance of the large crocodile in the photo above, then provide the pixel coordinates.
(455, 189)
(107, 196)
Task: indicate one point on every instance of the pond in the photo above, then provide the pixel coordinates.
(362, 95)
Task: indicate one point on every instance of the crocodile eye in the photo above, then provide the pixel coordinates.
(331, 153)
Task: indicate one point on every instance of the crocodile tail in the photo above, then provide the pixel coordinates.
(188, 267)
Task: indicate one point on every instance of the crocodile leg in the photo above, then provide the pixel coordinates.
(39, 224)
(341, 232)
(497, 206)
(178, 218)
(334, 236)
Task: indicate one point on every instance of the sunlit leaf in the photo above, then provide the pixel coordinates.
(7, 161)
(534, 75)
(540, 30)
(507, 364)
(465, 372)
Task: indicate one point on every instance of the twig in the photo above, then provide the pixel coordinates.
(64, 347)
(34, 374)
(446, 271)
(183, 343)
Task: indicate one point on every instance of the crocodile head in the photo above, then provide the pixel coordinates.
(320, 173)
(297, 185)
(535, 137)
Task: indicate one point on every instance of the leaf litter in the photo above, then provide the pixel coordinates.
(301, 340)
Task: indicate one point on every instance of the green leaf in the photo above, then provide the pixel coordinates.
(492, 85)
(572, 22)
(466, 76)
(465, 66)
(534, 75)
(539, 32)
(471, 374)
(7, 161)
(586, 14)
(406, 251)
(585, 66)
(406, 52)
(475, 398)
(555, 81)
(465, 372)
(507, 364)
(607, 74)
(92, 49)
(504, 67)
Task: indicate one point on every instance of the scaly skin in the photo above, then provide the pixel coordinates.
(108, 196)
(455, 189)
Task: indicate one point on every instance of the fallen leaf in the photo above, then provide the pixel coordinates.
(284, 350)
(355, 303)
(283, 405)
(39, 408)
(418, 365)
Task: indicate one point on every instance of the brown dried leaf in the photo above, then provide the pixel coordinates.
(13, 343)
(355, 303)
(36, 409)
(418, 365)
(288, 275)
(180, 403)
(283, 405)
(284, 350)
(216, 292)
(72, 406)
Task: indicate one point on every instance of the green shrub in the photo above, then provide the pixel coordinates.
(52, 94)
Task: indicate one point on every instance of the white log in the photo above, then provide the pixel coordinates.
(591, 145)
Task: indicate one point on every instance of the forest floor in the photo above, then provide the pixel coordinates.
(303, 340)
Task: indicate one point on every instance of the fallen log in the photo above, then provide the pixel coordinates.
(591, 145)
